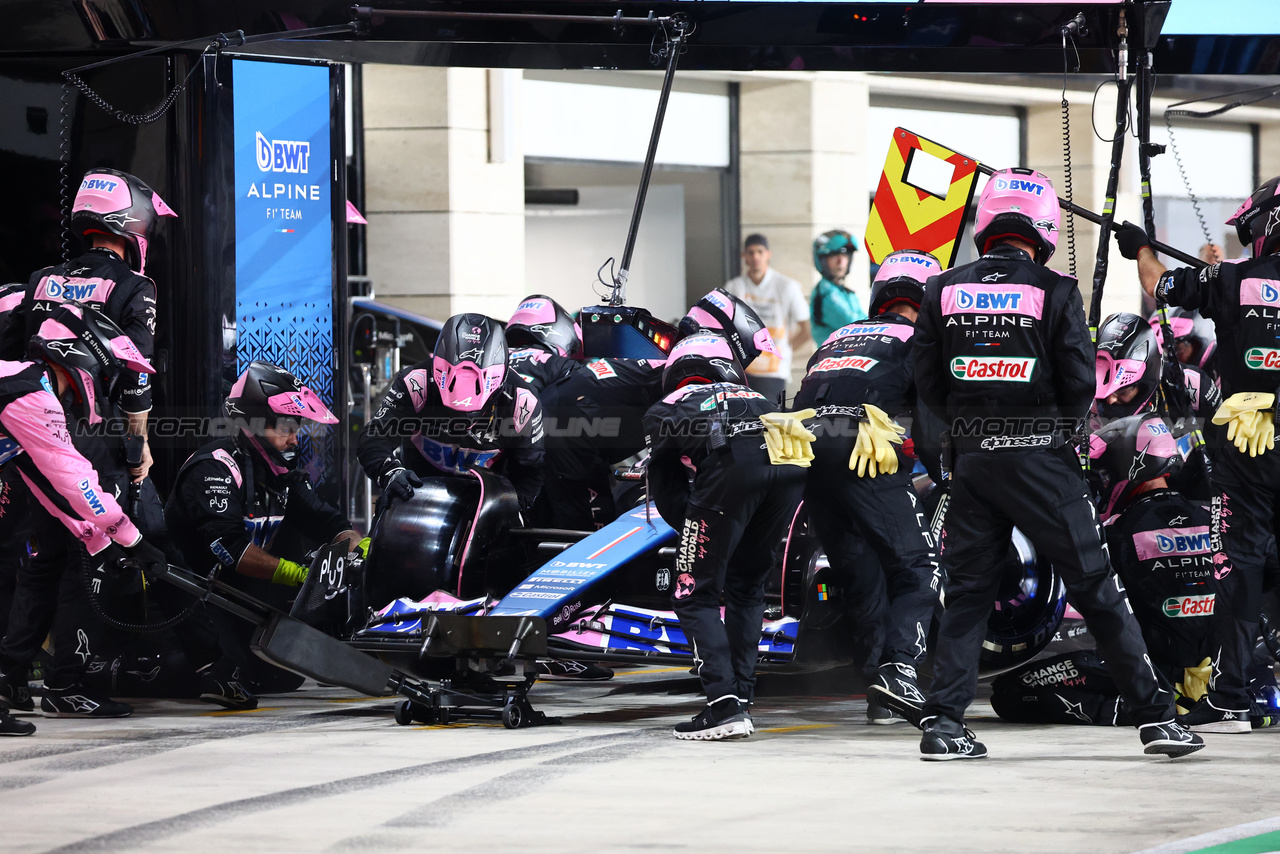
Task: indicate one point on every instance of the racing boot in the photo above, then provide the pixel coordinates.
(15, 693)
(1171, 739)
(74, 701)
(581, 671)
(945, 739)
(878, 714)
(895, 687)
(721, 719)
(9, 725)
(221, 685)
(1206, 717)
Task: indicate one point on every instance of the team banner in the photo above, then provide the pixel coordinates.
(284, 228)
(922, 199)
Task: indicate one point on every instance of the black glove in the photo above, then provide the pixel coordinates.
(400, 483)
(1131, 239)
(147, 557)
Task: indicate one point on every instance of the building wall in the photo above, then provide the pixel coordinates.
(446, 225)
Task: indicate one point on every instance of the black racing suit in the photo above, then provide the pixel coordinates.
(595, 421)
(433, 439)
(98, 277)
(1160, 548)
(226, 498)
(1243, 300)
(711, 478)
(1192, 479)
(1003, 353)
(871, 365)
(540, 369)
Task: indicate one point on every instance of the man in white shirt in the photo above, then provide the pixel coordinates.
(780, 302)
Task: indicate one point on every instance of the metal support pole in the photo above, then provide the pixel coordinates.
(1096, 219)
(1123, 86)
(674, 46)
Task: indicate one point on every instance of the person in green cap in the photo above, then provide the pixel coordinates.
(832, 305)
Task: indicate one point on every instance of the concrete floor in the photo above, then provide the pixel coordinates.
(321, 770)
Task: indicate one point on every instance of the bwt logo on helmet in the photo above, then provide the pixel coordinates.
(1020, 184)
(1012, 369)
(1189, 606)
(989, 299)
(1262, 359)
(1183, 543)
(720, 302)
(282, 155)
(107, 185)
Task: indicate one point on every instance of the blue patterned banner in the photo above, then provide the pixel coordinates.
(284, 229)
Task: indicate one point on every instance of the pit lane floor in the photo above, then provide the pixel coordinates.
(321, 770)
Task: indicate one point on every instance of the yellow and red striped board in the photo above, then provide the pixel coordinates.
(904, 217)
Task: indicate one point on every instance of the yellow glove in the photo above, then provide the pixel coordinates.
(1250, 421)
(1264, 439)
(1195, 681)
(873, 450)
(787, 439)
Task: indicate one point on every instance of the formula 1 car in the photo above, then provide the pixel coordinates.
(452, 566)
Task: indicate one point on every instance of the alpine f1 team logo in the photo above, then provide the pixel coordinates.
(845, 363)
(1262, 358)
(1189, 606)
(993, 368)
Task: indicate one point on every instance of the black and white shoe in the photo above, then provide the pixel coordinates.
(1170, 738)
(881, 716)
(1206, 717)
(581, 671)
(9, 725)
(945, 739)
(221, 685)
(895, 688)
(75, 702)
(15, 693)
(721, 719)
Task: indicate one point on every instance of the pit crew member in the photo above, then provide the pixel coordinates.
(712, 480)
(1159, 545)
(1003, 353)
(462, 409)
(858, 381)
(242, 506)
(1243, 301)
(79, 355)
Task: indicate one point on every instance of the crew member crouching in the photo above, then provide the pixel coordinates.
(241, 505)
(462, 409)
(1162, 549)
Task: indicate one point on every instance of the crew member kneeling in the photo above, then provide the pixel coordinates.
(711, 476)
(241, 504)
(1161, 548)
